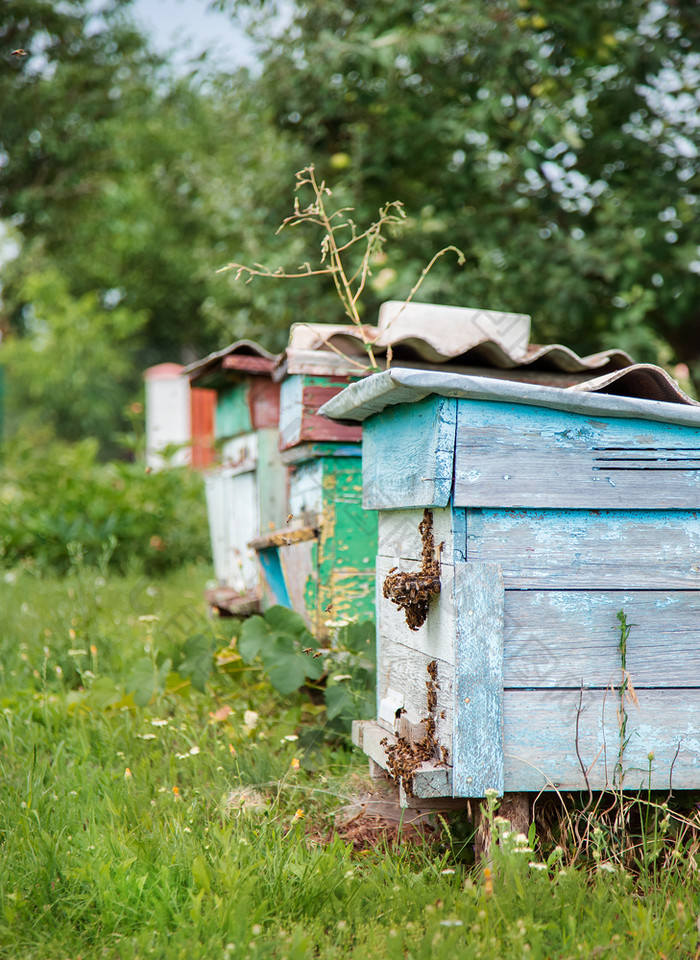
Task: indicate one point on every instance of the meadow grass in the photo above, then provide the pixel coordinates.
(183, 830)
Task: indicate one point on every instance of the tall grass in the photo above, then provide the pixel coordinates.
(183, 830)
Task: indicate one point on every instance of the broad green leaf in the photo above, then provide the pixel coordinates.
(255, 635)
(339, 700)
(199, 661)
(286, 621)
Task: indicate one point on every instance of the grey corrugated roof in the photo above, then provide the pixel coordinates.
(372, 395)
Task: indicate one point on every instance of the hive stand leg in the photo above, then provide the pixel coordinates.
(514, 807)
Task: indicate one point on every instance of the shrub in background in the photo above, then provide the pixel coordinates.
(54, 496)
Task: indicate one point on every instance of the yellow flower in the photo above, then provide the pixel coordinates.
(488, 882)
(127, 774)
(295, 764)
(299, 815)
(176, 791)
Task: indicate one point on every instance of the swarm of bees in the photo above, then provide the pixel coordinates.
(412, 592)
(404, 757)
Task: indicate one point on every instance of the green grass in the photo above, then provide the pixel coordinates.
(100, 863)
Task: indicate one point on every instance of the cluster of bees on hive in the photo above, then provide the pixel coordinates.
(404, 757)
(412, 592)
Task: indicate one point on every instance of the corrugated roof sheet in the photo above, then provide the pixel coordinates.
(375, 393)
(244, 355)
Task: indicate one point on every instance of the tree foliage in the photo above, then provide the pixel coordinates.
(556, 144)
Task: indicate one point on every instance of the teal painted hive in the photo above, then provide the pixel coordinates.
(516, 522)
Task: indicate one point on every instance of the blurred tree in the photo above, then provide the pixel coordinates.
(556, 144)
(131, 187)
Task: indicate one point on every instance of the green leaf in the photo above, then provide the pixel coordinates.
(255, 635)
(288, 672)
(142, 681)
(200, 873)
(339, 700)
(286, 621)
(199, 661)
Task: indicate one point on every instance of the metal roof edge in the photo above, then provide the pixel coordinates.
(372, 395)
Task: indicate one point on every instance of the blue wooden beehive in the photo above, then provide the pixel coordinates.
(515, 522)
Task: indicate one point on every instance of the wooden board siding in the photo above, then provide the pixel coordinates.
(232, 508)
(571, 639)
(347, 546)
(593, 549)
(399, 535)
(516, 456)
(202, 413)
(300, 398)
(540, 742)
(264, 402)
(478, 680)
(408, 455)
(232, 411)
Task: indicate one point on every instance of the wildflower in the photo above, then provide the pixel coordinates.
(607, 867)
(291, 737)
(232, 750)
(77, 653)
(490, 793)
(176, 791)
(488, 882)
(537, 866)
(159, 723)
(72, 634)
(342, 676)
(256, 929)
(250, 720)
(146, 736)
(295, 763)
(194, 751)
(451, 923)
(299, 815)
(149, 618)
(128, 775)
(93, 649)
(219, 715)
(447, 872)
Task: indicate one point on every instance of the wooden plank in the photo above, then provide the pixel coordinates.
(300, 422)
(399, 535)
(240, 454)
(403, 671)
(306, 489)
(565, 639)
(428, 781)
(408, 455)
(232, 509)
(643, 549)
(478, 725)
(314, 427)
(540, 741)
(299, 563)
(515, 456)
(291, 392)
(232, 411)
(436, 637)
(313, 451)
(264, 400)
(347, 545)
(272, 478)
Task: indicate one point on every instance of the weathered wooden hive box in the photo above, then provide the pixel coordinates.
(320, 559)
(516, 521)
(247, 490)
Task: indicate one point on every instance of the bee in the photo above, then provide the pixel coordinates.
(329, 608)
(290, 518)
(19, 52)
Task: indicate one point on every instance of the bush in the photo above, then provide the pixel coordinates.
(57, 498)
